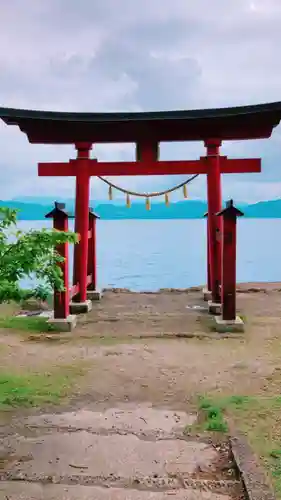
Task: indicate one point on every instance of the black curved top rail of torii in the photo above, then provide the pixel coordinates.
(233, 123)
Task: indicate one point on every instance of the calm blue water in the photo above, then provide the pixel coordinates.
(152, 254)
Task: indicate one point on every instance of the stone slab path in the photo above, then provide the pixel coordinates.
(133, 452)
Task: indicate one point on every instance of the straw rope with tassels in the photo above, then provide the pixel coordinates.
(147, 196)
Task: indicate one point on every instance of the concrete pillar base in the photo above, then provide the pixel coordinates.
(214, 308)
(229, 326)
(207, 294)
(80, 307)
(63, 324)
(94, 295)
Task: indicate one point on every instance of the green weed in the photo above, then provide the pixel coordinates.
(36, 389)
(25, 323)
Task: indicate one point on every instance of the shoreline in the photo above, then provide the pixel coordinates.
(247, 287)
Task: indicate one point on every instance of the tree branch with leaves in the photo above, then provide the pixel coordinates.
(30, 254)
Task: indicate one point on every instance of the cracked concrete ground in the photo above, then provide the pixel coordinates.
(134, 452)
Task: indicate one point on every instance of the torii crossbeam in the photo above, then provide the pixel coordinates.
(129, 168)
(147, 131)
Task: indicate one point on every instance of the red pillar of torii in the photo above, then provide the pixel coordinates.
(214, 197)
(80, 268)
(147, 130)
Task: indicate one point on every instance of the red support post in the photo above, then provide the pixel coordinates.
(61, 298)
(229, 217)
(208, 259)
(147, 152)
(214, 222)
(82, 219)
(207, 291)
(92, 257)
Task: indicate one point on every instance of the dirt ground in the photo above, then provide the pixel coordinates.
(122, 343)
(140, 353)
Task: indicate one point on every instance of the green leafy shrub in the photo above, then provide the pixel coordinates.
(29, 254)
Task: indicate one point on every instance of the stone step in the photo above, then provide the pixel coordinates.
(121, 460)
(140, 420)
(30, 491)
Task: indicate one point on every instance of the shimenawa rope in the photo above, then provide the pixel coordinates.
(147, 195)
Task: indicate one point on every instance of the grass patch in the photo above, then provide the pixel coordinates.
(258, 417)
(9, 309)
(37, 389)
(26, 323)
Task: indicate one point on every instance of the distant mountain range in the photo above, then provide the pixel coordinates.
(31, 209)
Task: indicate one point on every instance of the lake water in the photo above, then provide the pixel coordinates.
(153, 254)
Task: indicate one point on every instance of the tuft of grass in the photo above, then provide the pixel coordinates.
(26, 323)
(217, 424)
(204, 403)
(276, 475)
(274, 466)
(275, 454)
(37, 389)
(243, 317)
(215, 410)
(214, 419)
(238, 401)
(213, 416)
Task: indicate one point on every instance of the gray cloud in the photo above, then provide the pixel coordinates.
(106, 55)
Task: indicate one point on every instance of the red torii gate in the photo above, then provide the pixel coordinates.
(83, 167)
(147, 130)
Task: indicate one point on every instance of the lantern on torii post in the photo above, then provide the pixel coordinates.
(228, 320)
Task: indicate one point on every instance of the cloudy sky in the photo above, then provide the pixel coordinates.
(122, 55)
